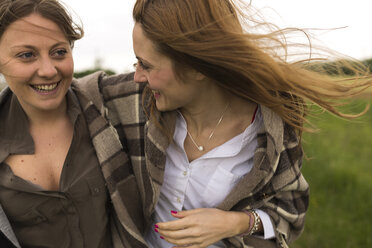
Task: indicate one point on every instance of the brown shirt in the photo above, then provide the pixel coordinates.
(76, 215)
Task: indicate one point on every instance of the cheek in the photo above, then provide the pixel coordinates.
(163, 81)
(16, 74)
(67, 68)
(12, 69)
(156, 82)
(17, 85)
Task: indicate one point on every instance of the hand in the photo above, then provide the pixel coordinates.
(200, 227)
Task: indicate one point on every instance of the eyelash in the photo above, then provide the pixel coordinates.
(142, 65)
(59, 53)
(24, 55)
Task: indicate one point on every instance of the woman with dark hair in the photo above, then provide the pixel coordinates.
(57, 152)
(233, 112)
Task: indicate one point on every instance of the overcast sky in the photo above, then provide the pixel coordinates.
(108, 25)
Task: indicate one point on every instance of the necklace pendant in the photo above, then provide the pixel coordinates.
(201, 148)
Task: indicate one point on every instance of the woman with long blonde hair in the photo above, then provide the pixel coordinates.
(233, 110)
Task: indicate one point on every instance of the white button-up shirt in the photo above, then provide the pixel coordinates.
(207, 180)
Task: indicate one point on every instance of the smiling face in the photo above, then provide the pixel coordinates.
(157, 70)
(36, 61)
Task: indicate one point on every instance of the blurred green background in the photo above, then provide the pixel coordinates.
(339, 171)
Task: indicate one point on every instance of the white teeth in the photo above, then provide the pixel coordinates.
(155, 91)
(45, 87)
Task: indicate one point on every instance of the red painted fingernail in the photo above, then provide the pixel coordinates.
(174, 212)
(156, 230)
(161, 237)
(156, 226)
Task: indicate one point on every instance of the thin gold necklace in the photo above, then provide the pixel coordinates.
(199, 147)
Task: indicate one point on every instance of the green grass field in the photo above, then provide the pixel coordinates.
(339, 172)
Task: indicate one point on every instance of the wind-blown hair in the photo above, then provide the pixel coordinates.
(12, 10)
(208, 36)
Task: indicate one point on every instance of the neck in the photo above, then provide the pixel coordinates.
(205, 111)
(46, 118)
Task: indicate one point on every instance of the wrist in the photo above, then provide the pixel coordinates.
(255, 224)
(239, 222)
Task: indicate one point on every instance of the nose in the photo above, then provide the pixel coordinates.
(139, 75)
(47, 68)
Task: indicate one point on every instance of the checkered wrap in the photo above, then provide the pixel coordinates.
(131, 151)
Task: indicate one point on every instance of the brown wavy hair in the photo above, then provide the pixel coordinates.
(12, 10)
(219, 38)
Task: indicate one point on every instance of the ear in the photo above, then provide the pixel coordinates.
(192, 74)
(196, 75)
(199, 76)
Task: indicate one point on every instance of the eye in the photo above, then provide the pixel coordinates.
(59, 52)
(142, 65)
(26, 55)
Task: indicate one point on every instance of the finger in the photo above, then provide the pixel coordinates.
(173, 225)
(178, 214)
(186, 242)
(190, 246)
(180, 234)
(184, 213)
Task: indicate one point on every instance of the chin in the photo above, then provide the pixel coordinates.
(163, 108)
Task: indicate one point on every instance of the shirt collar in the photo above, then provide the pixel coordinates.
(73, 106)
(229, 148)
(15, 137)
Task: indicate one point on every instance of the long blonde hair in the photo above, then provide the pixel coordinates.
(208, 36)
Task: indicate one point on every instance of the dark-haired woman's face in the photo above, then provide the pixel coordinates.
(36, 61)
(156, 69)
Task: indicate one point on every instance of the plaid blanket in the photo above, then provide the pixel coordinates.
(131, 151)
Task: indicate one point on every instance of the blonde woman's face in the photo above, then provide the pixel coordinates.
(156, 69)
(36, 61)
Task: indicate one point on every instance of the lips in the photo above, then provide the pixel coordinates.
(156, 93)
(45, 87)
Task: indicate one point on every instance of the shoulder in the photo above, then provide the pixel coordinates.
(5, 94)
(101, 88)
(119, 86)
(278, 144)
(279, 132)
(108, 86)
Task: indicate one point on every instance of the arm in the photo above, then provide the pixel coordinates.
(287, 209)
(285, 197)
(281, 192)
(204, 226)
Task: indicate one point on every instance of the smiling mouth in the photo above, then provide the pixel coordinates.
(45, 87)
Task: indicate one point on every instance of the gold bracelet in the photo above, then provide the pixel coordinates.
(256, 223)
(253, 227)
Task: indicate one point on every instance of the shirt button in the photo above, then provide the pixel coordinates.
(178, 200)
(185, 173)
